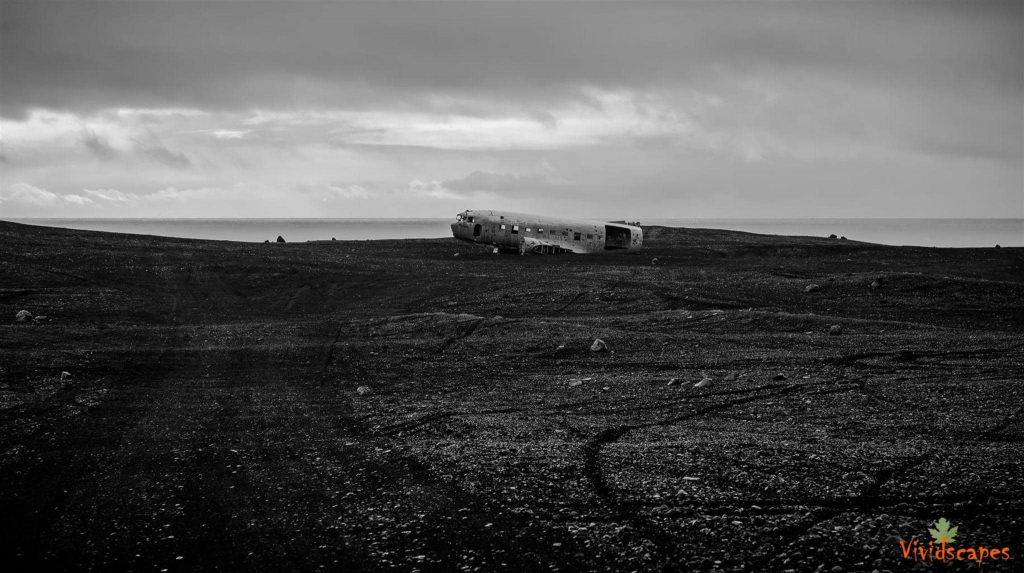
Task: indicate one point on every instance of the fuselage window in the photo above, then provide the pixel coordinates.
(527, 229)
(575, 236)
(590, 237)
(471, 219)
(540, 230)
(515, 229)
(503, 227)
(565, 233)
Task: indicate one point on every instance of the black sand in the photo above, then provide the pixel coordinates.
(211, 419)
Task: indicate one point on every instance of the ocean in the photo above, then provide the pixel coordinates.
(920, 232)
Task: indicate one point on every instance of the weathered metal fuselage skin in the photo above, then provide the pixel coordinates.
(540, 234)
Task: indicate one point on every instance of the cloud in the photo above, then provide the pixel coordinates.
(97, 145)
(230, 133)
(25, 194)
(73, 56)
(77, 199)
(483, 181)
(638, 104)
(433, 190)
(157, 151)
(110, 195)
(349, 191)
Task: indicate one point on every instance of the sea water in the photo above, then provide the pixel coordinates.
(919, 232)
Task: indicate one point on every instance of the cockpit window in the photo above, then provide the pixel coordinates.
(470, 219)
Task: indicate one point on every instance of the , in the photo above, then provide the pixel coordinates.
(540, 234)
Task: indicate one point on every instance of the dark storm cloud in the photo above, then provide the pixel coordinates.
(82, 55)
(155, 149)
(98, 146)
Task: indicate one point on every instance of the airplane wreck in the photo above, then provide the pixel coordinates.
(538, 234)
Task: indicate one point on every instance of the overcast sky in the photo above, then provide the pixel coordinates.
(423, 109)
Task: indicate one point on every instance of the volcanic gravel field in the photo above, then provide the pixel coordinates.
(191, 405)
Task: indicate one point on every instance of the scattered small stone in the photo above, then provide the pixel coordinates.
(40, 317)
(363, 390)
(560, 348)
(673, 382)
(731, 377)
(605, 389)
(780, 377)
(812, 288)
(575, 383)
(456, 254)
(835, 330)
(703, 383)
(280, 239)
(875, 285)
(654, 261)
(65, 375)
(690, 478)
(23, 316)
(598, 346)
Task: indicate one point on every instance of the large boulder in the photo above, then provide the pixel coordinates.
(23, 316)
(598, 346)
(280, 239)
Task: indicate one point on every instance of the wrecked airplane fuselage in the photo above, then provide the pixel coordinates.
(545, 235)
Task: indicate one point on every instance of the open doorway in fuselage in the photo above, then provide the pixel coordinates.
(617, 237)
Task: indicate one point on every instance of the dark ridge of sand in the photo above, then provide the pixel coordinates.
(211, 419)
